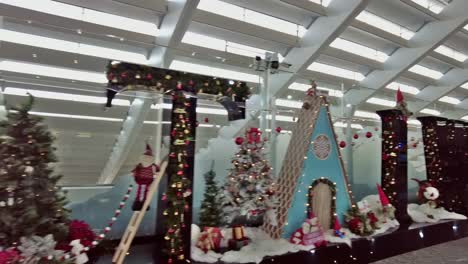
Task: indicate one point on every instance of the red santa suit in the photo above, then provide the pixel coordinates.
(144, 174)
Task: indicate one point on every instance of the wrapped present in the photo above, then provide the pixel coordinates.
(237, 244)
(238, 232)
(310, 233)
(210, 239)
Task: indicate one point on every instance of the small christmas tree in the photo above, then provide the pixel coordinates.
(211, 212)
(34, 205)
(249, 189)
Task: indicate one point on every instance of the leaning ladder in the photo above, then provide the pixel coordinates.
(135, 221)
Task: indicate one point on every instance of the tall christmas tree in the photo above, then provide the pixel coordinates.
(31, 203)
(211, 211)
(249, 189)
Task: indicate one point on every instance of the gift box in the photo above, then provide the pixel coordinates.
(210, 239)
(237, 244)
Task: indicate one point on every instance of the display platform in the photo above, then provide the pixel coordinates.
(405, 239)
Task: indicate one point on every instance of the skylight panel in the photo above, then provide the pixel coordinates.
(465, 118)
(366, 114)
(86, 15)
(449, 52)
(403, 87)
(359, 49)
(51, 71)
(430, 112)
(63, 96)
(251, 17)
(384, 24)
(71, 47)
(414, 122)
(464, 86)
(379, 101)
(332, 70)
(432, 5)
(305, 87)
(282, 118)
(421, 70)
(450, 100)
(324, 3)
(223, 45)
(213, 71)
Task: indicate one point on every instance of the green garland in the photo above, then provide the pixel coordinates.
(127, 76)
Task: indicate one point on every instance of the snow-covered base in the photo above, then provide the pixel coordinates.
(420, 214)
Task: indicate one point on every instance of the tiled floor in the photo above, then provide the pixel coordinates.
(454, 252)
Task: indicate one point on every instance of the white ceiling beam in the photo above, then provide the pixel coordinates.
(172, 30)
(452, 18)
(131, 128)
(351, 57)
(307, 5)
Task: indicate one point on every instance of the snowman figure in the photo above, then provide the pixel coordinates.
(427, 193)
(78, 251)
(144, 174)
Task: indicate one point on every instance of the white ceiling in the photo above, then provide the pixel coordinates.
(84, 146)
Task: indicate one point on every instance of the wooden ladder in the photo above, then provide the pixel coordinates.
(135, 221)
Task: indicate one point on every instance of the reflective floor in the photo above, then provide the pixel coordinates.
(446, 253)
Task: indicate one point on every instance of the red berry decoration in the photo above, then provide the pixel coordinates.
(239, 140)
(368, 135)
(342, 144)
(278, 130)
(356, 136)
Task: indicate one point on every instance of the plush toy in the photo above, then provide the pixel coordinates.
(144, 174)
(310, 233)
(427, 193)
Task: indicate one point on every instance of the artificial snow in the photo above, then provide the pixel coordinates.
(422, 214)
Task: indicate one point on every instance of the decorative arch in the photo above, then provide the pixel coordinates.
(332, 186)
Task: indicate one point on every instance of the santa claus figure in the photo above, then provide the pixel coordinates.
(310, 233)
(427, 193)
(144, 174)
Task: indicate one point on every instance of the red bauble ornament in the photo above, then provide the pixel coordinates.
(385, 156)
(278, 130)
(207, 120)
(239, 140)
(415, 145)
(149, 76)
(342, 144)
(376, 129)
(179, 86)
(356, 136)
(368, 135)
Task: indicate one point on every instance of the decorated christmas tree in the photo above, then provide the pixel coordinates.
(30, 201)
(249, 189)
(211, 211)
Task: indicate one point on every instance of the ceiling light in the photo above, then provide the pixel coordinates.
(336, 71)
(430, 112)
(344, 125)
(384, 24)
(288, 103)
(51, 71)
(71, 47)
(200, 110)
(305, 87)
(366, 114)
(359, 49)
(418, 69)
(403, 87)
(432, 5)
(212, 71)
(451, 53)
(324, 3)
(450, 100)
(86, 15)
(63, 96)
(465, 118)
(154, 122)
(205, 125)
(251, 17)
(379, 101)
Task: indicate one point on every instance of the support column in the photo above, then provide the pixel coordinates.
(349, 140)
(273, 137)
(264, 101)
(442, 164)
(394, 179)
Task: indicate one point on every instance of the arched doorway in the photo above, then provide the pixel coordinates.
(322, 198)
